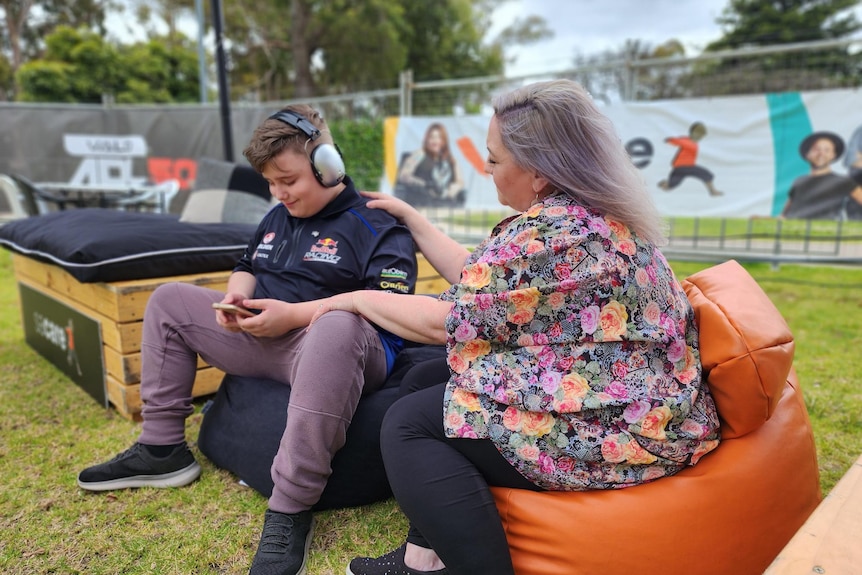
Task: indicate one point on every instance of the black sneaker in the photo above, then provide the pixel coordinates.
(390, 564)
(136, 467)
(284, 542)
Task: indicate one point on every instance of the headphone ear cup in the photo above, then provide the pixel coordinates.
(327, 165)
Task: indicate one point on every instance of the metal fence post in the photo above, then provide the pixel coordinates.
(405, 81)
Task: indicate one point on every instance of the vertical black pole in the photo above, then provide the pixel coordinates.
(223, 95)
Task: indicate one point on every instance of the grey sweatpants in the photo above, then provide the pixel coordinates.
(328, 368)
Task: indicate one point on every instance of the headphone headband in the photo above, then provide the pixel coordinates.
(297, 121)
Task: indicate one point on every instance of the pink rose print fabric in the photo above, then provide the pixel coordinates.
(573, 348)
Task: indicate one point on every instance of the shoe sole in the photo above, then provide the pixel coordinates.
(307, 547)
(177, 478)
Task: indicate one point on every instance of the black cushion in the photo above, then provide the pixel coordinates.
(96, 244)
(243, 424)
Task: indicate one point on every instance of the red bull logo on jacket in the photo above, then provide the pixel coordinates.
(323, 250)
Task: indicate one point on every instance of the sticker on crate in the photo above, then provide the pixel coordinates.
(67, 338)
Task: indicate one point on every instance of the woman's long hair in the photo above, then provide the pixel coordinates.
(555, 130)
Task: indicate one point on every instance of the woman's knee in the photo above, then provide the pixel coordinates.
(417, 415)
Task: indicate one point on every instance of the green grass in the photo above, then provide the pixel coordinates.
(765, 228)
(50, 429)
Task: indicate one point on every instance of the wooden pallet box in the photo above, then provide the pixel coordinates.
(118, 310)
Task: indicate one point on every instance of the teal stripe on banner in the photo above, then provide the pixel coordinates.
(790, 124)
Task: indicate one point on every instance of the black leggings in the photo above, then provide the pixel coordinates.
(442, 484)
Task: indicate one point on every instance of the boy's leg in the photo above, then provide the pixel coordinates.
(178, 324)
(330, 366)
(339, 358)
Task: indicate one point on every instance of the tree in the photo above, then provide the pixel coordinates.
(161, 70)
(15, 15)
(80, 66)
(279, 49)
(749, 23)
(28, 22)
(338, 46)
(614, 74)
(754, 23)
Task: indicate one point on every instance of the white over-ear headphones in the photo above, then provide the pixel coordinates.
(326, 161)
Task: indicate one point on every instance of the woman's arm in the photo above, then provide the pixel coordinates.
(408, 168)
(457, 183)
(417, 318)
(445, 254)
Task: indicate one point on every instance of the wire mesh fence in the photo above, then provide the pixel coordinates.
(803, 66)
(811, 66)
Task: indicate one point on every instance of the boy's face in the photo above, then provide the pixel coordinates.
(292, 183)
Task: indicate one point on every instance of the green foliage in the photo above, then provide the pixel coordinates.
(441, 39)
(280, 50)
(373, 29)
(750, 23)
(77, 67)
(361, 143)
(80, 66)
(41, 81)
(161, 70)
(765, 22)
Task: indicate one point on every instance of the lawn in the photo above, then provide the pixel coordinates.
(50, 429)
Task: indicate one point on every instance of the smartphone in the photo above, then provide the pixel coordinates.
(231, 308)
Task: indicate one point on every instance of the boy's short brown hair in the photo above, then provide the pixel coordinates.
(272, 137)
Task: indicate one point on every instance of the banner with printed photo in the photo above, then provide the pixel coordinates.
(721, 157)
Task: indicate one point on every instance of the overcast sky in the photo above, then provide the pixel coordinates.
(592, 26)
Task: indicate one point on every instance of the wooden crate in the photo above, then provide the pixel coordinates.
(118, 307)
(828, 542)
(428, 281)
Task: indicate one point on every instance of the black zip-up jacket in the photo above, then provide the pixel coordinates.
(344, 247)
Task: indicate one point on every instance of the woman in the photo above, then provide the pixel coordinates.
(572, 349)
(430, 175)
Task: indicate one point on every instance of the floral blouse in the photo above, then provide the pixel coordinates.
(574, 349)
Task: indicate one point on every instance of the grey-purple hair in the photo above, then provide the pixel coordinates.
(555, 130)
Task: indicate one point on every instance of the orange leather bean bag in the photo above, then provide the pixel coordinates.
(734, 511)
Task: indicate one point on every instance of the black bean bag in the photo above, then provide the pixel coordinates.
(243, 424)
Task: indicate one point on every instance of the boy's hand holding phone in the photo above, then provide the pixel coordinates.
(235, 309)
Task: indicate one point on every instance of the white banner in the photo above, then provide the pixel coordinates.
(733, 156)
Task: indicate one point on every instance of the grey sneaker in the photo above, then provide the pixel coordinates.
(136, 467)
(284, 542)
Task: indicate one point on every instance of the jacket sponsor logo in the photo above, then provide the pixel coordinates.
(395, 286)
(323, 250)
(264, 247)
(393, 273)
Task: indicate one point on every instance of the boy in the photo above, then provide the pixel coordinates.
(319, 240)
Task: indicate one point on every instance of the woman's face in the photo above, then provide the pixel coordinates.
(434, 142)
(292, 183)
(516, 187)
